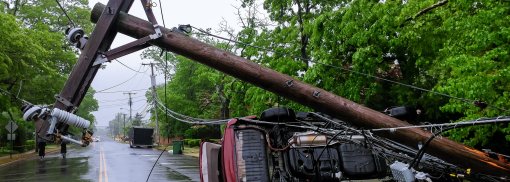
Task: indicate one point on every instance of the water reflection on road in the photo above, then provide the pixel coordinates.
(104, 161)
(50, 169)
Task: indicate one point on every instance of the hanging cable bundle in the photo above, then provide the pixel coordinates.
(187, 119)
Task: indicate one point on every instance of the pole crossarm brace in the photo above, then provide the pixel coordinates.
(305, 94)
(134, 45)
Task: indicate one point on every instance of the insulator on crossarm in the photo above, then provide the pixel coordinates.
(30, 111)
(70, 119)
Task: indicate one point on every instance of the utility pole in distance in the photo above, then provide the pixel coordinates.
(154, 96)
(124, 129)
(130, 102)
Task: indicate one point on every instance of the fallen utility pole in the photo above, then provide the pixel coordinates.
(305, 94)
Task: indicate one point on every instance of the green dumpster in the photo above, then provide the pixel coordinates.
(178, 146)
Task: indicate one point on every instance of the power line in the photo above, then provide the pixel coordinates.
(65, 13)
(348, 70)
(130, 67)
(138, 110)
(480, 121)
(161, 10)
(122, 82)
(144, 112)
(9, 94)
(121, 104)
(120, 91)
(118, 100)
(185, 118)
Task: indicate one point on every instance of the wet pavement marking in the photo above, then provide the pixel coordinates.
(102, 166)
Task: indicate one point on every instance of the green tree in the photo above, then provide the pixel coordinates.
(33, 51)
(193, 89)
(457, 48)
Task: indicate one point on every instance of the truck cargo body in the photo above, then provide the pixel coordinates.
(140, 137)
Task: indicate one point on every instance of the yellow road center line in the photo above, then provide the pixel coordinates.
(100, 165)
(105, 168)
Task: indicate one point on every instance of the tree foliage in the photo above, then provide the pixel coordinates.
(35, 59)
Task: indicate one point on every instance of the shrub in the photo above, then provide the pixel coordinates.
(192, 142)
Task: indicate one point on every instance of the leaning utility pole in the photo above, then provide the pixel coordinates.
(296, 90)
(154, 97)
(130, 102)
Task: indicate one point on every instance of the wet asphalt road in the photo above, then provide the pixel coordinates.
(104, 161)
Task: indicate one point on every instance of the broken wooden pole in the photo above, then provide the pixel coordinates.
(306, 94)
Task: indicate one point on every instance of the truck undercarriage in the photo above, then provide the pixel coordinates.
(285, 146)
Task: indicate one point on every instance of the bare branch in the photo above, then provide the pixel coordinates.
(423, 11)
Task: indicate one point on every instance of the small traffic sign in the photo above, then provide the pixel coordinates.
(11, 126)
(11, 136)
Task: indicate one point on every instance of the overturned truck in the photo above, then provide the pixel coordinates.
(282, 145)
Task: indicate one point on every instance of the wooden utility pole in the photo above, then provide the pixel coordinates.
(306, 94)
(154, 97)
(130, 102)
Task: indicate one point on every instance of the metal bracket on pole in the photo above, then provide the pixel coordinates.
(100, 59)
(64, 101)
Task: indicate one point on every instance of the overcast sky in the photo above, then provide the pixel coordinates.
(199, 13)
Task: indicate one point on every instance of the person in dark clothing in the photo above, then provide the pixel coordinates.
(41, 145)
(63, 149)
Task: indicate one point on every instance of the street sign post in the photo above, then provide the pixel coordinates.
(11, 127)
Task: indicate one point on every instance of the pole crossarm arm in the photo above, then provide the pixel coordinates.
(136, 45)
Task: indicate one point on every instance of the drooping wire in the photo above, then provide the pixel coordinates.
(217, 122)
(9, 94)
(501, 119)
(421, 152)
(121, 91)
(123, 99)
(166, 62)
(139, 109)
(120, 104)
(191, 119)
(124, 81)
(161, 10)
(163, 151)
(187, 119)
(20, 86)
(129, 67)
(65, 13)
(348, 70)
